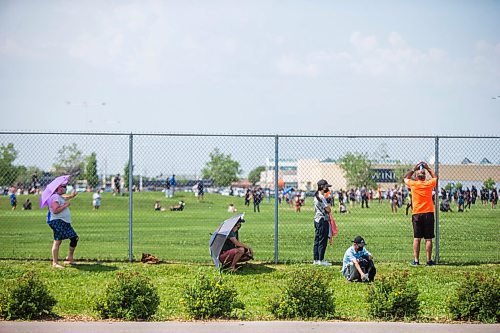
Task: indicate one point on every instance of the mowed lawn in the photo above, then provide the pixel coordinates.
(76, 288)
(465, 238)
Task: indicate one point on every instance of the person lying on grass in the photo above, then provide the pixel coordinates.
(233, 250)
(179, 207)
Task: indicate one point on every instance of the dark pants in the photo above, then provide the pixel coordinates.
(367, 266)
(364, 200)
(408, 206)
(320, 239)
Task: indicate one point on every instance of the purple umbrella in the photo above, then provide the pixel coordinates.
(52, 187)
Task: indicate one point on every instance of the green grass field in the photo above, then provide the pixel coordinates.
(76, 288)
(465, 238)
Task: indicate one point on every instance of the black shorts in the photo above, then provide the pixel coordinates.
(423, 225)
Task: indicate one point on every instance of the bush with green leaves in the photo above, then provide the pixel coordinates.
(129, 296)
(394, 297)
(26, 298)
(210, 297)
(306, 294)
(477, 298)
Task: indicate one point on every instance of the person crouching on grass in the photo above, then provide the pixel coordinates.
(234, 251)
(357, 264)
(59, 221)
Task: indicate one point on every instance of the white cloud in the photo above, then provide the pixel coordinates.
(482, 45)
(363, 42)
(397, 63)
(396, 40)
(291, 65)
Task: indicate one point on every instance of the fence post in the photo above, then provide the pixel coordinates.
(276, 165)
(130, 203)
(436, 197)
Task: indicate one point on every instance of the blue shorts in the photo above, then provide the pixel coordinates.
(62, 230)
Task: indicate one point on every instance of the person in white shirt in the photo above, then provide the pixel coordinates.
(321, 223)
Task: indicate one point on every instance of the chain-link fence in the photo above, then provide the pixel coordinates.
(184, 186)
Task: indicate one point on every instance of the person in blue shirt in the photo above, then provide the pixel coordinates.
(172, 184)
(13, 198)
(358, 262)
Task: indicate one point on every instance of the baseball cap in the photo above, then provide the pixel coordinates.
(359, 240)
(323, 183)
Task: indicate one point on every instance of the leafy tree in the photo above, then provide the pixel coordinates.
(8, 172)
(448, 187)
(489, 184)
(221, 168)
(126, 175)
(25, 173)
(458, 186)
(91, 171)
(70, 160)
(357, 169)
(254, 175)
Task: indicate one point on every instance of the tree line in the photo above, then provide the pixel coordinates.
(221, 168)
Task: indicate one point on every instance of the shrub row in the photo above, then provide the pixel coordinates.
(306, 294)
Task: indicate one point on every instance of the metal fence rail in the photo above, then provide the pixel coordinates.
(279, 227)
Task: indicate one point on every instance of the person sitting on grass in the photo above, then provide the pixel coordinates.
(233, 251)
(27, 205)
(342, 208)
(358, 262)
(445, 206)
(158, 207)
(231, 208)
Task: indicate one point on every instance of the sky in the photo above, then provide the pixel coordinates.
(251, 67)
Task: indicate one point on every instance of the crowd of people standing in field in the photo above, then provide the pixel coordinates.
(399, 197)
(464, 198)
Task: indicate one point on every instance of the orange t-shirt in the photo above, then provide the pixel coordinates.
(421, 195)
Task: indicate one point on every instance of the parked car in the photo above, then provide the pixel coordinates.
(81, 186)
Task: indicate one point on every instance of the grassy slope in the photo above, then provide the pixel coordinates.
(183, 236)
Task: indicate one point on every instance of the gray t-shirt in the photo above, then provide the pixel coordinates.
(64, 215)
(319, 208)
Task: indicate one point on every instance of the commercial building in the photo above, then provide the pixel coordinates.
(303, 174)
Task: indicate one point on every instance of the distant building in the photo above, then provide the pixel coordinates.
(287, 173)
(303, 174)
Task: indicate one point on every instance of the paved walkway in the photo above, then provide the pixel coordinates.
(240, 327)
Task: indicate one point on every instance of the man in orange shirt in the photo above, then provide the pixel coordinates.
(423, 209)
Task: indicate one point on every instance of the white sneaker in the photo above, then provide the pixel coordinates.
(325, 263)
(316, 262)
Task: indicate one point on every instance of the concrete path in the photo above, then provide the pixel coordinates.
(239, 327)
